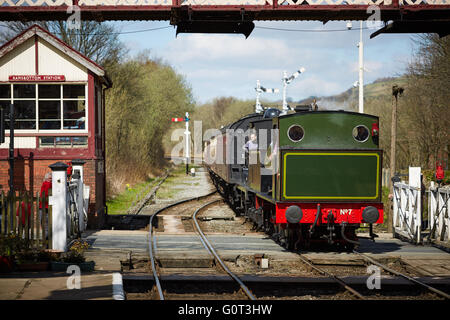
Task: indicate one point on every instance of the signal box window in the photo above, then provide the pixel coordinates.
(45, 106)
(5, 91)
(63, 142)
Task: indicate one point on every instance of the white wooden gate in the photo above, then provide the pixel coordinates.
(408, 212)
(407, 215)
(438, 213)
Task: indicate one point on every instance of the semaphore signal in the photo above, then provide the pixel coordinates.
(259, 89)
(287, 80)
(187, 134)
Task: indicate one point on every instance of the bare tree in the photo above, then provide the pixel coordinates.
(428, 108)
(97, 41)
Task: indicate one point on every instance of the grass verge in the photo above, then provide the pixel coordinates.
(122, 202)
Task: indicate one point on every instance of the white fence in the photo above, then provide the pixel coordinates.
(438, 213)
(408, 211)
(407, 214)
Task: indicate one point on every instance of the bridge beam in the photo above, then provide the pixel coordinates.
(178, 12)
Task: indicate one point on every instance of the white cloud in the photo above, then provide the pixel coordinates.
(207, 47)
(229, 65)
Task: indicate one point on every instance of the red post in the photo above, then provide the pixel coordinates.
(439, 173)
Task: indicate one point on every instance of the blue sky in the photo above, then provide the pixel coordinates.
(229, 65)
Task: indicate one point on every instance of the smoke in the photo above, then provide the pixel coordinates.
(334, 104)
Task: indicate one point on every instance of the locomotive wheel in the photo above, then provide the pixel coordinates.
(290, 238)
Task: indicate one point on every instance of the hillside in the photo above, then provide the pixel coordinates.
(348, 100)
(230, 109)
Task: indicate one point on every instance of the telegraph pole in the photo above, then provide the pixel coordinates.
(396, 91)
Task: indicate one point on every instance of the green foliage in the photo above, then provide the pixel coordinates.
(145, 95)
(11, 244)
(122, 202)
(430, 175)
(222, 111)
(76, 252)
(423, 110)
(33, 255)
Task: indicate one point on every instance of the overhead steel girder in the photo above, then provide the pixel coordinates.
(442, 28)
(175, 13)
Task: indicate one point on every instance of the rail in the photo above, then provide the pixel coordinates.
(332, 276)
(439, 292)
(210, 248)
(152, 240)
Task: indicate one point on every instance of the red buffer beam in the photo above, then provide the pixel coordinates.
(229, 10)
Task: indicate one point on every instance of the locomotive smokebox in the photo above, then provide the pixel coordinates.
(370, 214)
(294, 214)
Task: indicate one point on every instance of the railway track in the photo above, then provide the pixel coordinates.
(355, 285)
(415, 281)
(332, 276)
(217, 258)
(357, 294)
(370, 260)
(203, 239)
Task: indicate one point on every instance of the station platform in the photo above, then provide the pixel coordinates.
(101, 284)
(54, 286)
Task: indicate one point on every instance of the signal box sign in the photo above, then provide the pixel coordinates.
(37, 78)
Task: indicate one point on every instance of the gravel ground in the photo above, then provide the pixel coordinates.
(179, 186)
